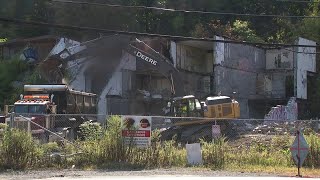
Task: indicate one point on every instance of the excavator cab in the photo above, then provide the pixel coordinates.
(186, 106)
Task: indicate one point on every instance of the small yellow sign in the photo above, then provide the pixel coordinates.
(3, 40)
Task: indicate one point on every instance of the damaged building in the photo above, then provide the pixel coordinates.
(258, 78)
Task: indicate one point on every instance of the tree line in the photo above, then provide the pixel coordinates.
(249, 28)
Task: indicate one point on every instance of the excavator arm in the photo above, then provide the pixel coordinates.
(152, 60)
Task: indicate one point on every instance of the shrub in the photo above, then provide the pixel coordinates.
(109, 148)
(214, 153)
(90, 131)
(3, 128)
(18, 150)
(313, 157)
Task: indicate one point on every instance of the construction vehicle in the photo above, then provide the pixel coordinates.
(180, 105)
(197, 117)
(213, 110)
(41, 102)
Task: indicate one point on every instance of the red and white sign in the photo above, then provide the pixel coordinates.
(133, 133)
(136, 130)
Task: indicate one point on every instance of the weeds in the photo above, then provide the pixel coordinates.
(90, 131)
(110, 149)
(214, 154)
(313, 158)
(106, 148)
(18, 150)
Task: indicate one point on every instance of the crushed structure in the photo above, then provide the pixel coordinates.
(258, 78)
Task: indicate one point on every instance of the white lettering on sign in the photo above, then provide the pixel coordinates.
(146, 58)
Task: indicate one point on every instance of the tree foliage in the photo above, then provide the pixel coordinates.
(269, 29)
(13, 74)
(246, 28)
(10, 71)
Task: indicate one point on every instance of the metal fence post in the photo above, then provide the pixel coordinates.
(12, 115)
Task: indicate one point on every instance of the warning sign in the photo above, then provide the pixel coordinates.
(136, 130)
(299, 149)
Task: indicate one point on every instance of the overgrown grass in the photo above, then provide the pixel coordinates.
(261, 153)
(313, 158)
(107, 150)
(18, 150)
(215, 153)
(110, 150)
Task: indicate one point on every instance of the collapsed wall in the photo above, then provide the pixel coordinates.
(284, 112)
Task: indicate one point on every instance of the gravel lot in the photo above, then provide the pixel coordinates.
(23, 175)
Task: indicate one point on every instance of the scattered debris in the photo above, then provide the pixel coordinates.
(281, 112)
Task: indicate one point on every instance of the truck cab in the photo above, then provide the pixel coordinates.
(40, 102)
(34, 104)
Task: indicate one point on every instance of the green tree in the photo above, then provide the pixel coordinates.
(37, 10)
(10, 71)
(242, 30)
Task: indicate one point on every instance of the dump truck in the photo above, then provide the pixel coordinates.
(188, 110)
(40, 103)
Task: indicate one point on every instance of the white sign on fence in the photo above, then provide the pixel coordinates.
(136, 130)
(216, 132)
(194, 155)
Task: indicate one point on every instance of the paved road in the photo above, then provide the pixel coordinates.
(155, 174)
(169, 178)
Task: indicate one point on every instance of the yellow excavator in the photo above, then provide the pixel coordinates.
(192, 119)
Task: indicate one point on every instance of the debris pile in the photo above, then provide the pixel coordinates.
(275, 128)
(281, 112)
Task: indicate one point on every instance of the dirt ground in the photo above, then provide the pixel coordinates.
(24, 175)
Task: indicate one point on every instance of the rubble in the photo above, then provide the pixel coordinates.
(281, 112)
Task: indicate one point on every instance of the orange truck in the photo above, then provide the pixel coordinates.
(40, 103)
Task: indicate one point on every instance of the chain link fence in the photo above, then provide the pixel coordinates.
(257, 135)
(52, 127)
(187, 130)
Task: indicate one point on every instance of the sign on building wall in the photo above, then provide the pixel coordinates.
(136, 130)
(305, 62)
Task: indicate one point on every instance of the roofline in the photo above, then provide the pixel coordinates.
(33, 39)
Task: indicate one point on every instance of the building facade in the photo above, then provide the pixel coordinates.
(258, 78)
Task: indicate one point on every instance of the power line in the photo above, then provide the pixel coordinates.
(301, 52)
(183, 11)
(294, 1)
(70, 27)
